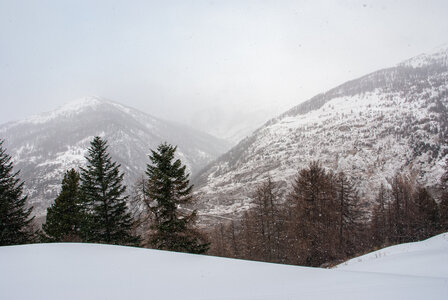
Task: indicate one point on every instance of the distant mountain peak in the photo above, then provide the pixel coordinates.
(83, 102)
(44, 146)
(438, 55)
(70, 108)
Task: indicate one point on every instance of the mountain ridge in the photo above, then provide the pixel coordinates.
(45, 145)
(397, 115)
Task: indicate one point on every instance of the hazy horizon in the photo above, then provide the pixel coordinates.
(198, 62)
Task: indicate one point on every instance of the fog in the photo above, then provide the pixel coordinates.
(209, 64)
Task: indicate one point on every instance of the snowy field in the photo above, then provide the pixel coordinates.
(427, 258)
(87, 271)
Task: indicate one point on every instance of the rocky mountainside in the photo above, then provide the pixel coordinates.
(45, 145)
(392, 120)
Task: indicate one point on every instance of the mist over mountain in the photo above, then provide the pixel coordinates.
(392, 120)
(44, 146)
(233, 124)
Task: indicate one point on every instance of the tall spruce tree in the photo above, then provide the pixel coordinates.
(168, 188)
(15, 221)
(102, 191)
(64, 216)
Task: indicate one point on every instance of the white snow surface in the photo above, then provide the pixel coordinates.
(89, 271)
(427, 258)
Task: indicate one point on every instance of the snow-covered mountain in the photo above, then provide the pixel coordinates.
(392, 120)
(44, 146)
(88, 271)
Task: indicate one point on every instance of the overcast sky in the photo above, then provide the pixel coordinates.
(175, 59)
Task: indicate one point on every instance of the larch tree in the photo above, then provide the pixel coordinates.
(268, 221)
(426, 218)
(104, 201)
(349, 214)
(443, 205)
(168, 189)
(379, 222)
(15, 220)
(313, 227)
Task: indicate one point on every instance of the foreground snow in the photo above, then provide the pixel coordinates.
(427, 258)
(87, 271)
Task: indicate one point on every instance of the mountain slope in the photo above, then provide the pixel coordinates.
(392, 120)
(88, 271)
(417, 259)
(45, 145)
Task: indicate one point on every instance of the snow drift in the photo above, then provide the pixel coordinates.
(88, 271)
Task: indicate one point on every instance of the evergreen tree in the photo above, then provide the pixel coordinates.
(104, 202)
(64, 216)
(168, 188)
(15, 221)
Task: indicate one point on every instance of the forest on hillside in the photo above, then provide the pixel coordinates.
(319, 222)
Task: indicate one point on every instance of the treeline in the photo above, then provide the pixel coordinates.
(93, 205)
(321, 220)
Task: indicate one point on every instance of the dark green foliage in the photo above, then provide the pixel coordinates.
(168, 188)
(108, 220)
(64, 217)
(15, 221)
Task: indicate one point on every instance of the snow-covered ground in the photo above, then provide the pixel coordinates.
(87, 271)
(427, 258)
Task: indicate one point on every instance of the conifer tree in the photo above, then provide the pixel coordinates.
(104, 201)
(15, 221)
(64, 216)
(168, 188)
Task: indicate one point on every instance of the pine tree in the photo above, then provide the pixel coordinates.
(103, 199)
(15, 221)
(64, 216)
(168, 188)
